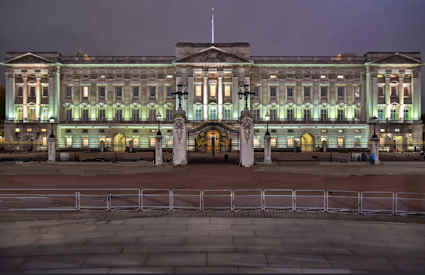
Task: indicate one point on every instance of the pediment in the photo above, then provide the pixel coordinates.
(398, 58)
(28, 58)
(212, 55)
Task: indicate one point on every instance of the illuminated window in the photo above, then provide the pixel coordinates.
(290, 141)
(213, 91)
(44, 130)
(170, 142)
(85, 92)
(198, 90)
(44, 141)
(152, 142)
(357, 142)
(256, 142)
(68, 142)
(273, 76)
(273, 141)
(397, 130)
(136, 142)
(29, 130)
(357, 92)
(382, 130)
(340, 76)
(340, 142)
(85, 142)
(169, 76)
(323, 76)
(108, 142)
(227, 90)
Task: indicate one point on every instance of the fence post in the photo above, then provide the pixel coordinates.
(358, 203)
(171, 199)
(294, 200)
(201, 200)
(232, 200)
(263, 200)
(325, 200)
(141, 199)
(108, 201)
(393, 210)
(77, 201)
(395, 203)
(361, 203)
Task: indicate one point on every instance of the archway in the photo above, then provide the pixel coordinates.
(307, 143)
(119, 143)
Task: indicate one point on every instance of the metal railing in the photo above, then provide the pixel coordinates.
(344, 201)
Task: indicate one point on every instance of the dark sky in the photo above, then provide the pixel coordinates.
(142, 27)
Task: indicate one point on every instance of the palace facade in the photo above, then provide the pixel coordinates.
(309, 102)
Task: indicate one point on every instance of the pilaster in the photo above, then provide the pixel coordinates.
(190, 97)
(235, 97)
(220, 97)
(10, 95)
(37, 99)
(205, 96)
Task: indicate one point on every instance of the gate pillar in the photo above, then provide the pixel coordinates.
(246, 140)
(179, 139)
(267, 149)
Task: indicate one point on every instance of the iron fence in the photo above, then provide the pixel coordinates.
(344, 201)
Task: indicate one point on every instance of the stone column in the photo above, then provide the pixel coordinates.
(205, 98)
(179, 139)
(158, 149)
(51, 147)
(10, 96)
(388, 97)
(267, 149)
(190, 97)
(246, 140)
(374, 143)
(37, 99)
(52, 94)
(416, 95)
(25, 99)
(235, 97)
(220, 97)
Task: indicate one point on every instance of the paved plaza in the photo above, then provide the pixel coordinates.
(120, 242)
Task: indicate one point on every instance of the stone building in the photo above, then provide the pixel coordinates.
(310, 102)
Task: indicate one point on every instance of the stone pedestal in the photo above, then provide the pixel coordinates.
(267, 149)
(374, 144)
(158, 150)
(179, 139)
(246, 140)
(51, 147)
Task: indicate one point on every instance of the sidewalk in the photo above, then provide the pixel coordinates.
(210, 245)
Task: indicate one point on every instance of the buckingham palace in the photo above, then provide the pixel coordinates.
(309, 103)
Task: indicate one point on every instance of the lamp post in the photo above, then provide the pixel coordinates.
(158, 117)
(374, 143)
(246, 94)
(373, 122)
(267, 121)
(51, 121)
(179, 93)
(51, 146)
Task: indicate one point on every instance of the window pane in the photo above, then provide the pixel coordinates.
(135, 91)
(227, 90)
(307, 91)
(45, 91)
(20, 91)
(118, 91)
(290, 91)
(340, 91)
(85, 91)
(152, 91)
(324, 91)
(213, 90)
(68, 91)
(272, 91)
(198, 90)
(101, 91)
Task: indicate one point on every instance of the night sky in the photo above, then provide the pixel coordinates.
(128, 27)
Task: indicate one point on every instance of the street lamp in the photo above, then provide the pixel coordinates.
(52, 121)
(267, 121)
(158, 117)
(373, 121)
(179, 93)
(246, 94)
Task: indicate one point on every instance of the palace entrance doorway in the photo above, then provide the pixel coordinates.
(119, 143)
(307, 143)
(212, 142)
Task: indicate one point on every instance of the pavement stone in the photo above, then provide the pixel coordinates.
(114, 260)
(236, 259)
(177, 259)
